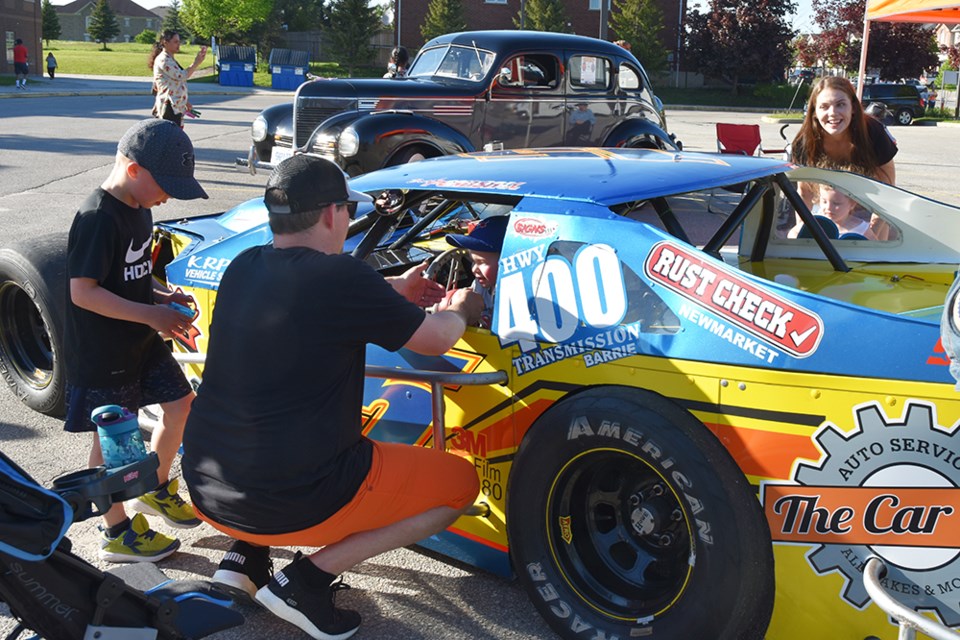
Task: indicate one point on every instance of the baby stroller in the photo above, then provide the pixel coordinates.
(58, 595)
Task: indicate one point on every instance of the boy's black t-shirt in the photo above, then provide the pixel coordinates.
(273, 443)
(109, 242)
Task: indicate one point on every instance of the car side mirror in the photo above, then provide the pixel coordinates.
(505, 76)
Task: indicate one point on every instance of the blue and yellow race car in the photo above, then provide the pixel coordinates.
(704, 408)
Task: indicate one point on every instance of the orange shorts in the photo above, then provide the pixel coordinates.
(404, 481)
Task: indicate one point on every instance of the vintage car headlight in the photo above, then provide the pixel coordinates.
(348, 143)
(258, 130)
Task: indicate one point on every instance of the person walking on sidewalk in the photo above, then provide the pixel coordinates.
(170, 79)
(114, 353)
(20, 65)
(51, 65)
(274, 451)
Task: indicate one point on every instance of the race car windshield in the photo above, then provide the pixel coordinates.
(457, 62)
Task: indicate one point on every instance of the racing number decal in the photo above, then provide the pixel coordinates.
(589, 289)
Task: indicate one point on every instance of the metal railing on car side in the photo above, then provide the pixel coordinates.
(910, 621)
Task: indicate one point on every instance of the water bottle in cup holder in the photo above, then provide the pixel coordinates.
(119, 432)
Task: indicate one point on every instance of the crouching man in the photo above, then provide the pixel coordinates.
(273, 451)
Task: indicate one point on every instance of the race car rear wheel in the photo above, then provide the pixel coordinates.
(627, 517)
(32, 299)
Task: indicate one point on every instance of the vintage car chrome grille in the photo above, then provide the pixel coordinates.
(310, 112)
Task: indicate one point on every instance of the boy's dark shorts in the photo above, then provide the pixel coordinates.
(161, 381)
(21, 68)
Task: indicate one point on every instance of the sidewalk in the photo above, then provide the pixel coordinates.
(80, 85)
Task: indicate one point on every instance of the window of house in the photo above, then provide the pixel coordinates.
(595, 5)
(149, 23)
(126, 22)
(495, 1)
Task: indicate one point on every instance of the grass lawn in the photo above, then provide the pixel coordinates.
(120, 58)
(130, 59)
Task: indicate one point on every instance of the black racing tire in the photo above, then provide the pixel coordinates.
(904, 117)
(32, 301)
(627, 518)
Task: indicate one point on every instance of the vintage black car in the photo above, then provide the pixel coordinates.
(466, 92)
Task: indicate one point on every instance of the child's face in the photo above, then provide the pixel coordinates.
(835, 205)
(485, 266)
(145, 189)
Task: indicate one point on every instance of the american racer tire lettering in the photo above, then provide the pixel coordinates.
(626, 517)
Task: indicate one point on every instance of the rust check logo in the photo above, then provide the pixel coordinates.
(723, 292)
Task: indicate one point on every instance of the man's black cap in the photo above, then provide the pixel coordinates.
(307, 183)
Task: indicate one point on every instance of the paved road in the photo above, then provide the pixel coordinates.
(56, 148)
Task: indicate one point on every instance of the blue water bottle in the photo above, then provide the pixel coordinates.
(120, 439)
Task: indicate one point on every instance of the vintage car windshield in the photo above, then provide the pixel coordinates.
(461, 63)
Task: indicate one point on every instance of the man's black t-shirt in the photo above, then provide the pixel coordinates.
(109, 242)
(273, 443)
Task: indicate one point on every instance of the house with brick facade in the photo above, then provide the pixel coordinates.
(583, 17)
(20, 19)
(131, 17)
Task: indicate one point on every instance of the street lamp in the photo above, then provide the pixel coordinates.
(679, 38)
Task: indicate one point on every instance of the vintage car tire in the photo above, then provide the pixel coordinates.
(410, 154)
(577, 540)
(32, 300)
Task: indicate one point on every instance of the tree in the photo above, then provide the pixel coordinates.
(897, 50)
(147, 36)
(640, 22)
(739, 40)
(901, 50)
(50, 22)
(173, 22)
(301, 15)
(805, 51)
(443, 16)
(356, 23)
(208, 18)
(103, 24)
(544, 15)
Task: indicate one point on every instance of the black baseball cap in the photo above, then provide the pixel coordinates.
(304, 183)
(163, 149)
(486, 236)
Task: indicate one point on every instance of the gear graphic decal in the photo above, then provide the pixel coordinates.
(888, 488)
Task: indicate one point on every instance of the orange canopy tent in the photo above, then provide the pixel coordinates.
(933, 11)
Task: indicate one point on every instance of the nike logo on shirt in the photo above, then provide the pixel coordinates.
(135, 255)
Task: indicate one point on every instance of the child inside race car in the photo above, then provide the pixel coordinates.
(484, 243)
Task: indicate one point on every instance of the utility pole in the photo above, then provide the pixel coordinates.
(604, 11)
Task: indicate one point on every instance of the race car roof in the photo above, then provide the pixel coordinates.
(598, 175)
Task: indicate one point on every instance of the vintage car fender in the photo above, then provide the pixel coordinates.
(631, 133)
(279, 121)
(385, 136)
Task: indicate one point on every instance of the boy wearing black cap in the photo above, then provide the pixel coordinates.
(113, 353)
(484, 242)
(274, 452)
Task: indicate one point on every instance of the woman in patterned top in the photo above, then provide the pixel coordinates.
(170, 79)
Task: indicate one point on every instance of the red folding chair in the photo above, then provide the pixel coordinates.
(743, 139)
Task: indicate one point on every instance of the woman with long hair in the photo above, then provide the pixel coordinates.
(837, 134)
(170, 79)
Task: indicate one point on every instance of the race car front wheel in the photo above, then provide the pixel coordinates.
(626, 517)
(32, 300)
